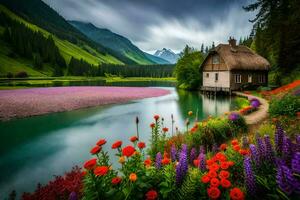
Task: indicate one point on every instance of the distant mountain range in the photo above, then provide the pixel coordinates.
(116, 42)
(167, 54)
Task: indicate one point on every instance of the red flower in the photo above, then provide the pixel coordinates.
(209, 162)
(214, 182)
(95, 150)
(244, 152)
(165, 129)
(193, 130)
(84, 173)
(205, 178)
(151, 195)
(234, 142)
(236, 194)
(212, 174)
(213, 192)
(156, 117)
(101, 170)
(236, 147)
(117, 144)
(133, 138)
(101, 142)
(147, 162)
(152, 125)
(224, 174)
(230, 163)
(89, 165)
(225, 183)
(220, 156)
(223, 147)
(165, 161)
(214, 167)
(128, 151)
(141, 145)
(196, 162)
(224, 165)
(116, 180)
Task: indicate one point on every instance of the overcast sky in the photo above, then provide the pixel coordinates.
(155, 24)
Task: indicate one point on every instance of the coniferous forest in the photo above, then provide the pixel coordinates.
(276, 35)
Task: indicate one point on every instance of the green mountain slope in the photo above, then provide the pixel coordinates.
(116, 42)
(39, 13)
(66, 48)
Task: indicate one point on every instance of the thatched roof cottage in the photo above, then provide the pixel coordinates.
(233, 67)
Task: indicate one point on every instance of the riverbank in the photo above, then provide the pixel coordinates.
(38, 101)
(17, 83)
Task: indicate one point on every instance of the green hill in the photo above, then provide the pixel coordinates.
(89, 53)
(116, 42)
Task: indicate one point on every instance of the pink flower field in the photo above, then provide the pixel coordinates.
(38, 101)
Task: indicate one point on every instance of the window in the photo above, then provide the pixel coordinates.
(249, 78)
(261, 78)
(238, 78)
(216, 77)
(207, 75)
(216, 59)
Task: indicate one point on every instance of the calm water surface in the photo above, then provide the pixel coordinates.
(34, 149)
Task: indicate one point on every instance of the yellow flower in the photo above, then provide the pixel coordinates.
(132, 177)
(190, 113)
(122, 159)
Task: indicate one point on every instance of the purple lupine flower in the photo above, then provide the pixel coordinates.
(202, 163)
(296, 163)
(269, 149)
(201, 150)
(233, 116)
(298, 142)
(245, 142)
(261, 149)
(193, 155)
(215, 148)
(173, 153)
(254, 155)
(179, 176)
(249, 177)
(289, 177)
(287, 151)
(281, 180)
(73, 196)
(158, 160)
(279, 135)
(182, 167)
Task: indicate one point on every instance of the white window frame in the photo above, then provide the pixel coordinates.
(250, 78)
(261, 78)
(216, 59)
(216, 77)
(238, 78)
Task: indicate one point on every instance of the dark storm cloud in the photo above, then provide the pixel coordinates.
(155, 24)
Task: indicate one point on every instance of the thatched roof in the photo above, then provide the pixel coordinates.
(239, 58)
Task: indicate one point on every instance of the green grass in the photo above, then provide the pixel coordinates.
(241, 102)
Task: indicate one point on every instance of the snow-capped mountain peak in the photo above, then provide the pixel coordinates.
(167, 54)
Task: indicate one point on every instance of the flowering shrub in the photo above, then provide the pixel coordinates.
(62, 188)
(288, 105)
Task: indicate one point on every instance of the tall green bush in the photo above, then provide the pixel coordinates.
(288, 105)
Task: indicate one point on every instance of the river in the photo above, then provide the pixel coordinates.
(34, 149)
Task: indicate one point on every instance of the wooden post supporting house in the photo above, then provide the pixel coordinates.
(230, 67)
